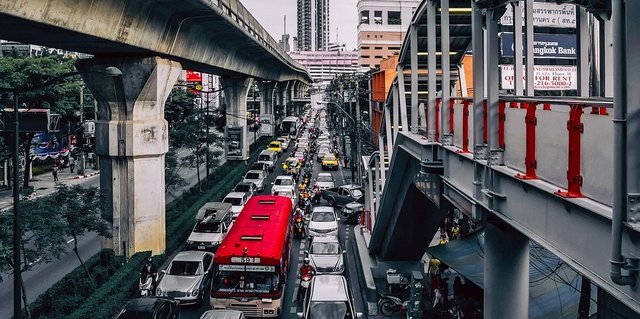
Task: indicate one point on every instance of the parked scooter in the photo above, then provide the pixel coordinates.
(389, 305)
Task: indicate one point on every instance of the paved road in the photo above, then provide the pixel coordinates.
(42, 276)
(297, 254)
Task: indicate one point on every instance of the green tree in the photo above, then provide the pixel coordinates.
(172, 179)
(187, 129)
(62, 98)
(82, 211)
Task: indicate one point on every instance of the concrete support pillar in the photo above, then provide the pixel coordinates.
(132, 140)
(267, 111)
(236, 90)
(506, 269)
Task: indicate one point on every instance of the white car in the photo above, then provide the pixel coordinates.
(283, 182)
(287, 193)
(323, 221)
(325, 180)
(284, 143)
(237, 201)
(256, 177)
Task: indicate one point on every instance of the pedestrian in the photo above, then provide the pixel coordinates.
(72, 163)
(55, 172)
(455, 231)
(443, 239)
(457, 289)
(61, 165)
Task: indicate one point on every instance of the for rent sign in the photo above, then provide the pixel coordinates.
(546, 77)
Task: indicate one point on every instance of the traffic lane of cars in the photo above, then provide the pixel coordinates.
(194, 312)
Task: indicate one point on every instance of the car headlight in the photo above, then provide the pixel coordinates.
(189, 242)
(159, 292)
(194, 292)
(214, 243)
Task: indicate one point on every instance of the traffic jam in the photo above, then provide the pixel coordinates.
(274, 246)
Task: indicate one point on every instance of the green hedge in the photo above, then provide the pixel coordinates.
(106, 301)
(69, 293)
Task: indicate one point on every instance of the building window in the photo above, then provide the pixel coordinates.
(364, 17)
(377, 48)
(394, 48)
(393, 18)
(365, 57)
(364, 65)
(364, 48)
(368, 36)
(378, 57)
(377, 17)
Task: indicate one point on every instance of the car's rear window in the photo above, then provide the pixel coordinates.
(252, 176)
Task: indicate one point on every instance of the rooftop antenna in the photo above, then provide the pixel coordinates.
(337, 34)
(285, 24)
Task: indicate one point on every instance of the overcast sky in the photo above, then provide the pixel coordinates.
(270, 13)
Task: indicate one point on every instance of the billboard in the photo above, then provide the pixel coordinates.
(550, 46)
(234, 146)
(46, 145)
(193, 76)
(546, 14)
(546, 77)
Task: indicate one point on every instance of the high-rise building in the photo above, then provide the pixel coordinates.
(381, 29)
(313, 25)
(284, 42)
(326, 65)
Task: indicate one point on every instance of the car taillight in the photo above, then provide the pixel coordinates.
(306, 277)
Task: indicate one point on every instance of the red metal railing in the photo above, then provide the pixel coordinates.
(575, 130)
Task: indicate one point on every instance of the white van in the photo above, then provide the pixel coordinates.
(213, 222)
(268, 157)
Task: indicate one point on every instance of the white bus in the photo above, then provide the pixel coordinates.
(290, 126)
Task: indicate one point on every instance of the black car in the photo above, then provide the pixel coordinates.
(150, 308)
(261, 167)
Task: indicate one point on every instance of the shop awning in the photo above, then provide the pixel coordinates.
(553, 286)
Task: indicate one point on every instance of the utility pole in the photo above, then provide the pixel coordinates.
(81, 138)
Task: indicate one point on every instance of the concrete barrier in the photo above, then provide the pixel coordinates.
(364, 264)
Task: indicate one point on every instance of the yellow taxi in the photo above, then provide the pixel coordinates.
(329, 161)
(275, 146)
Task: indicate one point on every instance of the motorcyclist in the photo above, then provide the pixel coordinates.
(149, 269)
(298, 217)
(306, 269)
(317, 193)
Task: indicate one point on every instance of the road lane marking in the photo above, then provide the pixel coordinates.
(293, 309)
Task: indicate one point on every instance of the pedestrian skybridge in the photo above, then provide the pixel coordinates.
(560, 171)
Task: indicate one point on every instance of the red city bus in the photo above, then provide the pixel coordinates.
(252, 261)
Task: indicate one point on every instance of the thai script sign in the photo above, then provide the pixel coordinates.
(546, 14)
(556, 46)
(546, 77)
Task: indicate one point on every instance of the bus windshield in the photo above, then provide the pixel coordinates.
(246, 282)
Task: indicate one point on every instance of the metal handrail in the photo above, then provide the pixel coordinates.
(564, 100)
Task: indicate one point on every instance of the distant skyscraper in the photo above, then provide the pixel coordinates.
(284, 42)
(313, 25)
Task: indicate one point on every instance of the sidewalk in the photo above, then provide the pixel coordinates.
(43, 184)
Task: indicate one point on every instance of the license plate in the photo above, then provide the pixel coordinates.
(201, 247)
(305, 284)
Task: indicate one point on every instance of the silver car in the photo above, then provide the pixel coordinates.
(325, 255)
(328, 296)
(188, 277)
(323, 222)
(256, 177)
(325, 180)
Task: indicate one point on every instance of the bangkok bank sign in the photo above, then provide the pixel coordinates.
(546, 77)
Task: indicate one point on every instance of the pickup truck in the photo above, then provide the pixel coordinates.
(342, 195)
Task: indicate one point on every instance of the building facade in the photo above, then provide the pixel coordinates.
(313, 25)
(325, 65)
(381, 28)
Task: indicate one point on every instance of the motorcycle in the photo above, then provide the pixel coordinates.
(389, 305)
(298, 226)
(145, 285)
(305, 281)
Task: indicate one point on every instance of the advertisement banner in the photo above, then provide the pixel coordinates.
(546, 77)
(46, 145)
(193, 76)
(234, 146)
(550, 46)
(546, 14)
(267, 127)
